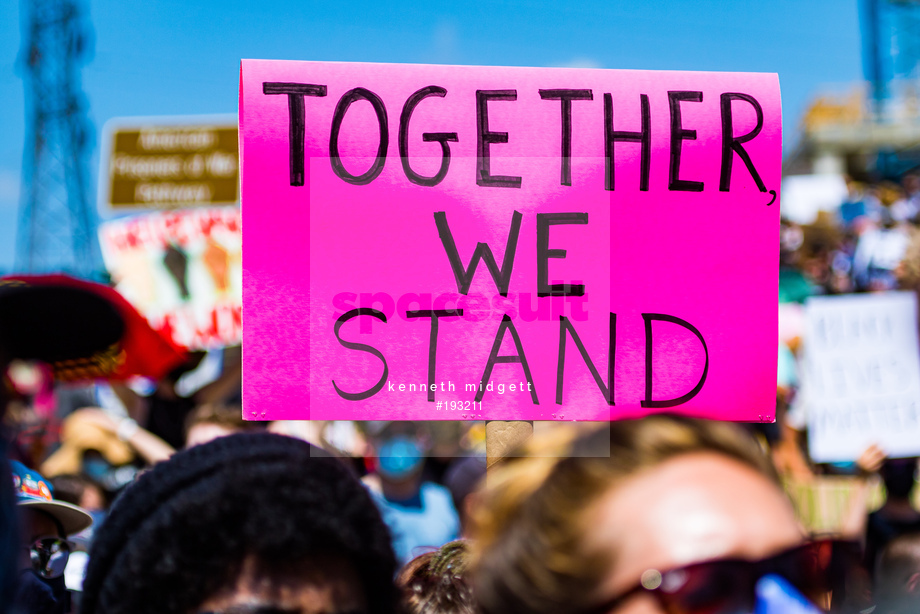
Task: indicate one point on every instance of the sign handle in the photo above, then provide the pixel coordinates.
(503, 436)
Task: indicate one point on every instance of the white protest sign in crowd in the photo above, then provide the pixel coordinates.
(861, 379)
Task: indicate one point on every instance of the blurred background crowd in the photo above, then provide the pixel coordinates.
(159, 461)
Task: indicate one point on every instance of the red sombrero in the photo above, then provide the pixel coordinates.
(84, 330)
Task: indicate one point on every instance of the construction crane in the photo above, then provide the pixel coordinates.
(57, 223)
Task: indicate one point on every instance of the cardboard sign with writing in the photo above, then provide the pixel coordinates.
(437, 242)
(861, 379)
(182, 270)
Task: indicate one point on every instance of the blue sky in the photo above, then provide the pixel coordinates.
(181, 57)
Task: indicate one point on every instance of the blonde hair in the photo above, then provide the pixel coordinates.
(531, 530)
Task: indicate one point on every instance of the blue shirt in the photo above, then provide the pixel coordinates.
(427, 521)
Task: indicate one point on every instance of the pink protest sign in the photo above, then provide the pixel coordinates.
(444, 242)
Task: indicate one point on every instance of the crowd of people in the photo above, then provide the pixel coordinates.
(869, 244)
(136, 495)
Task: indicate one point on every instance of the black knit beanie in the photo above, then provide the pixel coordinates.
(182, 531)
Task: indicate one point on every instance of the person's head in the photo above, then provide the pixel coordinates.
(399, 450)
(44, 515)
(213, 420)
(436, 582)
(462, 479)
(897, 575)
(899, 476)
(251, 522)
(44, 550)
(79, 490)
(582, 526)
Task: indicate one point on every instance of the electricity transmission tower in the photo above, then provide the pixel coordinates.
(57, 223)
(891, 48)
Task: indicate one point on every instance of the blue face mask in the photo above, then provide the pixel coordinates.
(775, 595)
(399, 457)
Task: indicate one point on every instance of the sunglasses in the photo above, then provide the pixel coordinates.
(49, 556)
(264, 609)
(727, 586)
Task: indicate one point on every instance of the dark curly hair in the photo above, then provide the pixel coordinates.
(182, 532)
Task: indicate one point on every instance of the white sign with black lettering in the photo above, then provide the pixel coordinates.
(862, 375)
